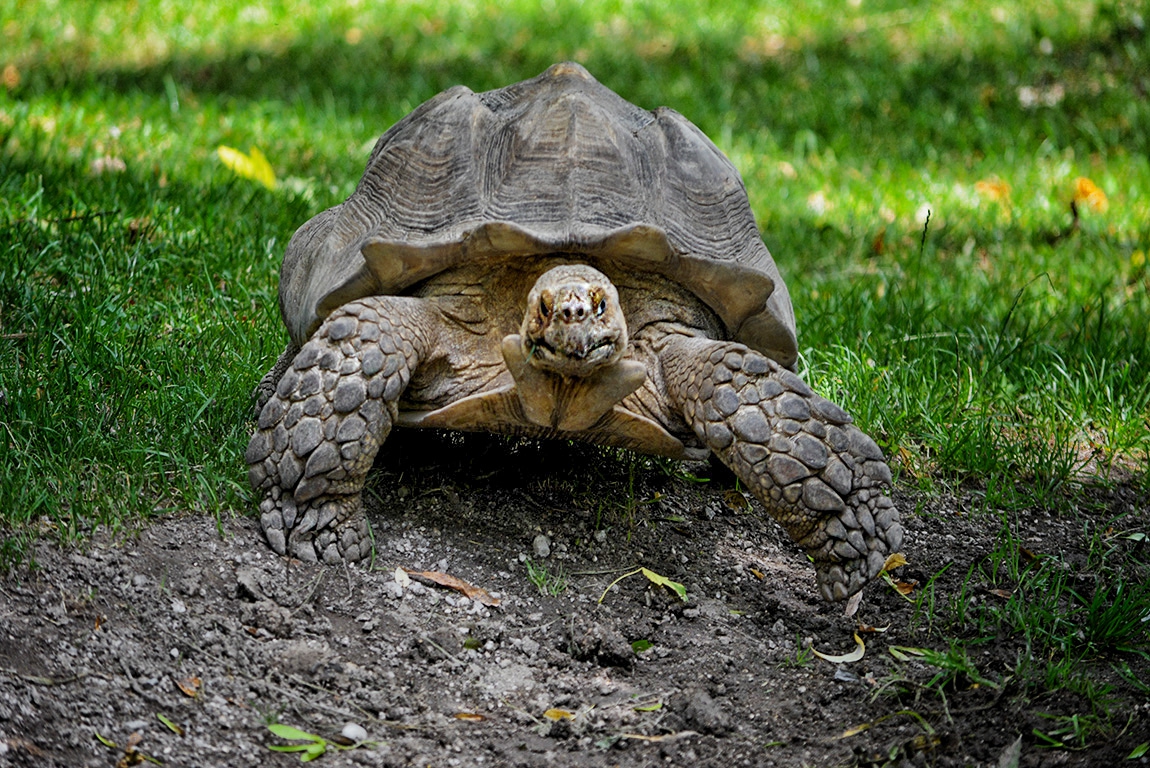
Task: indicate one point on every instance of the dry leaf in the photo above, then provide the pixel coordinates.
(895, 560)
(904, 587)
(758, 574)
(845, 658)
(559, 714)
(190, 686)
(471, 717)
(459, 585)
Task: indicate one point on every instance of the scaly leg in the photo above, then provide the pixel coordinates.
(816, 473)
(319, 432)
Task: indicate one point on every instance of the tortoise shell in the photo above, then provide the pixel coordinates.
(555, 164)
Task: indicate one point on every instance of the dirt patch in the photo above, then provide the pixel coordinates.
(99, 640)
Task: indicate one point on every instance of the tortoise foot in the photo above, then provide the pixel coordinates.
(816, 473)
(328, 529)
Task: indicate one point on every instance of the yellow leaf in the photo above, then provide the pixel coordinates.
(471, 717)
(1086, 191)
(895, 560)
(855, 731)
(855, 655)
(559, 714)
(253, 166)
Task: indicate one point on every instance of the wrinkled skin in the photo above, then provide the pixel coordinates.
(669, 385)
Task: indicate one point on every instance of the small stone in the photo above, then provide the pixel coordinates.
(541, 546)
(354, 732)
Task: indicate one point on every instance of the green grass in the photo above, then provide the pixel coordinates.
(995, 345)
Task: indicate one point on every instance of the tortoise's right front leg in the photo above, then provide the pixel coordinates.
(332, 409)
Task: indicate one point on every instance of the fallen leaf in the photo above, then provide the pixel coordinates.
(459, 585)
(845, 658)
(471, 717)
(559, 714)
(894, 560)
(663, 581)
(1002, 593)
(1086, 191)
(253, 166)
(190, 686)
(758, 574)
(106, 742)
(904, 587)
(1028, 555)
(649, 707)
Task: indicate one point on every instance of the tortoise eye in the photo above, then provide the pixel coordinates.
(601, 307)
(544, 306)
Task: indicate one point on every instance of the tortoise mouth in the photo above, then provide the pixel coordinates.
(576, 360)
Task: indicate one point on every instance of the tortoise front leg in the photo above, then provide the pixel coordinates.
(815, 472)
(319, 432)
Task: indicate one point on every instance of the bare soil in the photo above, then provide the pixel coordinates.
(99, 639)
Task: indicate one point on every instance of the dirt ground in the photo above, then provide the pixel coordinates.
(200, 623)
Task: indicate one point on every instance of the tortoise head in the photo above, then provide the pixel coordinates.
(573, 325)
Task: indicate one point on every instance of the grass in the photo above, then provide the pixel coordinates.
(912, 169)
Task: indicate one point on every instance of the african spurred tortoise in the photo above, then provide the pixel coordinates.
(549, 260)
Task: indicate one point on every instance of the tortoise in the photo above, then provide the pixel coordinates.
(552, 261)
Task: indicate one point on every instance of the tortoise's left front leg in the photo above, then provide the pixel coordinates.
(815, 472)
